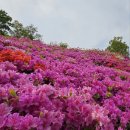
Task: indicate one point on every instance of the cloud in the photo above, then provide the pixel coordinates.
(85, 24)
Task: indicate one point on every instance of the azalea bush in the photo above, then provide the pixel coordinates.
(45, 87)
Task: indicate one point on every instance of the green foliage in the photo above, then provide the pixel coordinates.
(64, 45)
(61, 44)
(16, 28)
(118, 46)
(96, 96)
(29, 31)
(12, 93)
(5, 23)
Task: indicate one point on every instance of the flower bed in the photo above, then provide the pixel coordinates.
(46, 87)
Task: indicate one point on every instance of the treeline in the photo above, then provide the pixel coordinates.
(10, 27)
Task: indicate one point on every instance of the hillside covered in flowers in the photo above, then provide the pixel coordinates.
(44, 87)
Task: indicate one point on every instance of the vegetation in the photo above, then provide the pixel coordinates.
(64, 45)
(45, 87)
(15, 28)
(5, 23)
(29, 31)
(118, 46)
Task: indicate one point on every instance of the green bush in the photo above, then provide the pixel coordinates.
(64, 45)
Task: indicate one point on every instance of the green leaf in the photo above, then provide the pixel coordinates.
(12, 93)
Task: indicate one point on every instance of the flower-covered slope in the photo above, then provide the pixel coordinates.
(46, 87)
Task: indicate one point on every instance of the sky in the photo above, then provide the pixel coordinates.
(85, 24)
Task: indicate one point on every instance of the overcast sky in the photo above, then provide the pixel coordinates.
(81, 23)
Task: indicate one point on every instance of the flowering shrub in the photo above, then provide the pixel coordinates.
(46, 87)
(10, 55)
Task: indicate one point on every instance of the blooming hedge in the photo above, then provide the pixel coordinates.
(45, 87)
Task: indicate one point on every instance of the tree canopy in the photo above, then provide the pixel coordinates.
(118, 46)
(29, 31)
(15, 28)
(5, 23)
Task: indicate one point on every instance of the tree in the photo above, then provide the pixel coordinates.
(118, 46)
(29, 31)
(17, 28)
(5, 23)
